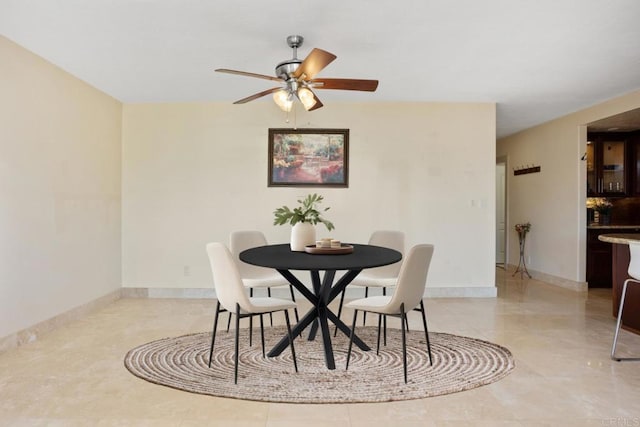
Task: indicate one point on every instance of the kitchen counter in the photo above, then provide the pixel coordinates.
(611, 227)
(599, 253)
(620, 238)
(620, 265)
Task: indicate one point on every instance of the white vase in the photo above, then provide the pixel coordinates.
(302, 234)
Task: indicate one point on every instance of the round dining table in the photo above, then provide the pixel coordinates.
(284, 260)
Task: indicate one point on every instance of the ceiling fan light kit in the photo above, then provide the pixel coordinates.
(298, 78)
(306, 97)
(283, 99)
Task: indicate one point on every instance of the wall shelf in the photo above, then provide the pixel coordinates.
(526, 170)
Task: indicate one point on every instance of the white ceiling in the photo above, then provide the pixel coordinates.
(536, 59)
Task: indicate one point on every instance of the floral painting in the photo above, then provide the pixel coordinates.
(308, 157)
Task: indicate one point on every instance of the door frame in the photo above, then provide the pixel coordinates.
(504, 160)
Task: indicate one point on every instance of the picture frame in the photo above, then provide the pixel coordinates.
(308, 157)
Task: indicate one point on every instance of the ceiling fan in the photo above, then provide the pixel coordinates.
(299, 79)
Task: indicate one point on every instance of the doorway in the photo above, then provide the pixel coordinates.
(501, 212)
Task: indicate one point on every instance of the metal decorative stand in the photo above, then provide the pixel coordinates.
(522, 266)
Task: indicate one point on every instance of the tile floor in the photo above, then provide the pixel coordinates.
(560, 339)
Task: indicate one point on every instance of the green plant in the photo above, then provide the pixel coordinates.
(306, 212)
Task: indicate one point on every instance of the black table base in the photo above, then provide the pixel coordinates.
(323, 292)
(319, 316)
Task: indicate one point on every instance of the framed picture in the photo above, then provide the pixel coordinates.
(309, 157)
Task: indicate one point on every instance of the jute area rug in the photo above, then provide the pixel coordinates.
(459, 364)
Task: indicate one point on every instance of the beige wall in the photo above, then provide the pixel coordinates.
(192, 173)
(60, 191)
(554, 199)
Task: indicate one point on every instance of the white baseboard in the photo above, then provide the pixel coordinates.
(353, 292)
(553, 280)
(180, 293)
(32, 333)
(463, 292)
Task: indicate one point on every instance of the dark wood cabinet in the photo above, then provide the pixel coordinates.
(608, 162)
(630, 318)
(599, 273)
(634, 164)
(613, 171)
(600, 257)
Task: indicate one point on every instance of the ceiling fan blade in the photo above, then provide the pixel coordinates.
(313, 64)
(244, 73)
(318, 103)
(345, 84)
(257, 95)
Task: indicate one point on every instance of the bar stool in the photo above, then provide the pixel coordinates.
(634, 272)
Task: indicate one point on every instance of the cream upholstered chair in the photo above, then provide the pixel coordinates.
(634, 272)
(379, 277)
(254, 277)
(233, 298)
(407, 296)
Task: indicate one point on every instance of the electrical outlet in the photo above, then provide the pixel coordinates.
(187, 271)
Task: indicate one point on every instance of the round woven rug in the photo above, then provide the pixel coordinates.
(459, 364)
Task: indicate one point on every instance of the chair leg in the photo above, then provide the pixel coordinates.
(270, 314)
(229, 322)
(335, 332)
(250, 323)
(379, 327)
(426, 331)
(353, 327)
(229, 319)
(618, 324)
(250, 331)
(293, 350)
(406, 321)
(384, 293)
(293, 298)
(262, 335)
(364, 313)
(385, 330)
(213, 334)
(235, 358)
(404, 341)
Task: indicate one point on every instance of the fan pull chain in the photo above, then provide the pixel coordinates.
(295, 117)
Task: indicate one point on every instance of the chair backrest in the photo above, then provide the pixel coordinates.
(388, 239)
(226, 278)
(634, 260)
(242, 240)
(412, 279)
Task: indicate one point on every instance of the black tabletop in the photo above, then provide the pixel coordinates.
(281, 257)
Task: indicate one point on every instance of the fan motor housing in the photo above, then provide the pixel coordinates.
(286, 68)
